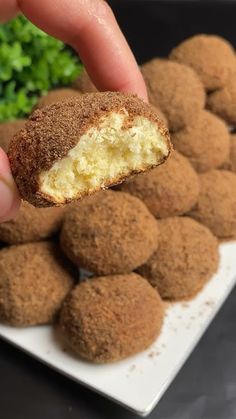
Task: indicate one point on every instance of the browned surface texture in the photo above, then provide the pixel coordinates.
(186, 258)
(109, 233)
(34, 280)
(175, 89)
(216, 207)
(57, 95)
(212, 57)
(31, 224)
(110, 318)
(8, 130)
(233, 153)
(223, 101)
(170, 189)
(52, 131)
(205, 141)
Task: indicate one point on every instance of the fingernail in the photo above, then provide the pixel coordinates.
(6, 199)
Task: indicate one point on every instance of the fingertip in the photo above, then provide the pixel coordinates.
(8, 9)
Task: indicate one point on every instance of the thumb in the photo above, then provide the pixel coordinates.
(9, 197)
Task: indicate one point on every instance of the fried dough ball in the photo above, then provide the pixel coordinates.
(186, 259)
(205, 141)
(222, 102)
(212, 57)
(8, 130)
(109, 233)
(171, 189)
(84, 84)
(72, 149)
(216, 207)
(233, 153)
(57, 95)
(34, 280)
(175, 89)
(31, 224)
(110, 318)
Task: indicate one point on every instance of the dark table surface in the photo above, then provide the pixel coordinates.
(206, 386)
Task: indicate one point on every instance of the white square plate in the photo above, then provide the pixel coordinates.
(139, 382)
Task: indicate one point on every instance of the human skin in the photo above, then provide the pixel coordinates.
(90, 27)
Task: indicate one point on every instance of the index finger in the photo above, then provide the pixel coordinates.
(91, 28)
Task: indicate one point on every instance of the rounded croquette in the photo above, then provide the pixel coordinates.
(186, 258)
(8, 130)
(31, 224)
(109, 233)
(109, 318)
(84, 84)
(212, 57)
(72, 149)
(34, 280)
(57, 95)
(170, 189)
(216, 207)
(205, 141)
(222, 102)
(232, 157)
(175, 89)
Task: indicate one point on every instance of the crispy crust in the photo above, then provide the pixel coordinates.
(216, 207)
(168, 190)
(175, 89)
(222, 102)
(110, 318)
(32, 224)
(185, 260)
(205, 142)
(35, 278)
(212, 57)
(8, 130)
(233, 153)
(54, 130)
(109, 233)
(56, 95)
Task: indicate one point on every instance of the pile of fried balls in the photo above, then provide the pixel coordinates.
(153, 238)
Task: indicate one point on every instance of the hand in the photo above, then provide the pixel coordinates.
(89, 26)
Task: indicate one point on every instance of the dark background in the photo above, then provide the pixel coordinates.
(206, 386)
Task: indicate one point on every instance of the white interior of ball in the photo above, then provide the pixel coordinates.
(104, 154)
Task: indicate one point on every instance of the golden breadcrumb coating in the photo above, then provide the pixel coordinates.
(110, 318)
(212, 57)
(186, 259)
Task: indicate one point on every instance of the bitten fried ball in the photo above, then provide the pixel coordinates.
(34, 280)
(72, 149)
(212, 57)
(222, 102)
(109, 233)
(8, 130)
(171, 189)
(175, 89)
(31, 224)
(186, 259)
(204, 141)
(216, 207)
(57, 95)
(84, 84)
(110, 318)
